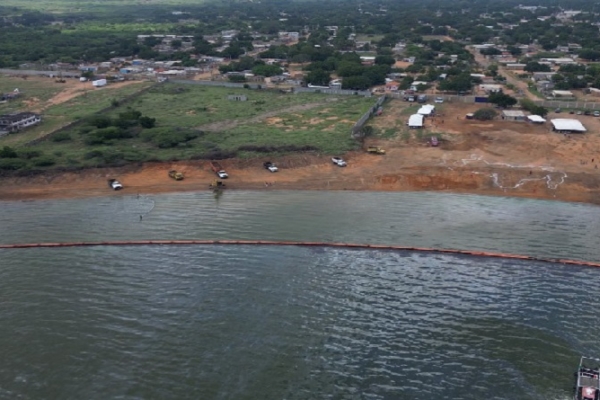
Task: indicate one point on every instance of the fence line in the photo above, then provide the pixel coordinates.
(254, 85)
(356, 129)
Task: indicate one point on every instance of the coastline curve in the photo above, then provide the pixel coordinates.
(302, 244)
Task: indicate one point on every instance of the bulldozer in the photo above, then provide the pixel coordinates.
(217, 184)
(178, 176)
(375, 150)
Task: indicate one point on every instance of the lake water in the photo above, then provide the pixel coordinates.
(261, 322)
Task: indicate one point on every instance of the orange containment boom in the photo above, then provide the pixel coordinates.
(301, 244)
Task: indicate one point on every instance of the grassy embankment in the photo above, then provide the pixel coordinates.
(199, 122)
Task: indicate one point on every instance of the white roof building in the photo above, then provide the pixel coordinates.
(567, 125)
(415, 121)
(536, 119)
(562, 93)
(425, 110)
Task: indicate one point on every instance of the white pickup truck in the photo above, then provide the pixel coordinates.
(338, 161)
(115, 184)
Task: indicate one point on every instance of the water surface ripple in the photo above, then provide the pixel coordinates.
(261, 322)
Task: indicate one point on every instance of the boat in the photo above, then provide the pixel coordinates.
(587, 385)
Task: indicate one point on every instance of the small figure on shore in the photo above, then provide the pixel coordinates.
(140, 218)
(530, 172)
(138, 195)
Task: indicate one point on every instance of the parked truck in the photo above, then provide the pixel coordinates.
(99, 83)
(216, 167)
(375, 150)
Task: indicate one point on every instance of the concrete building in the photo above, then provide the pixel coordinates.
(513, 115)
(15, 122)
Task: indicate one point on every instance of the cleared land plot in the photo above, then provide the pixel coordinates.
(324, 127)
(192, 106)
(34, 92)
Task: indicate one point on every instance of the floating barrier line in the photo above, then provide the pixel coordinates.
(301, 244)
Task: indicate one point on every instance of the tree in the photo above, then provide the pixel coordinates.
(384, 60)
(534, 66)
(356, 83)
(485, 114)
(533, 108)
(318, 77)
(501, 99)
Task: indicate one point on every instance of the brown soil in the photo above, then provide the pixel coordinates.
(491, 158)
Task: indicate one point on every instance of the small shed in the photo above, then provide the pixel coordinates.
(415, 121)
(513, 115)
(536, 119)
(567, 125)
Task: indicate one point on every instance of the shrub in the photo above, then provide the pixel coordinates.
(61, 137)
(44, 162)
(12, 164)
(29, 154)
(485, 114)
(99, 121)
(93, 154)
(147, 122)
(8, 152)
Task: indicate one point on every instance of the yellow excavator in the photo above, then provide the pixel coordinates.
(217, 184)
(178, 176)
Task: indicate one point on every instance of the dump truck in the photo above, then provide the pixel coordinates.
(178, 176)
(217, 169)
(375, 150)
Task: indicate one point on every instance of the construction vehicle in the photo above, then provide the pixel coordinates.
(270, 166)
(217, 169)
(217, 184)
(178, 176)
(375, 150)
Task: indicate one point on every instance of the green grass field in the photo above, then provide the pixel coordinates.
(303, 121)
(64, 113)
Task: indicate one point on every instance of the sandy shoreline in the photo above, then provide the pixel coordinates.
(365, 172)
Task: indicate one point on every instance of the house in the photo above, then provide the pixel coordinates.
(543, 76)
(559, 61)
(515, 66)
(415, 121)
(513, 115)
(392, 86)
(16, 122)
(544, 86)
(490, 88)
(415, 85)
(567, 125)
